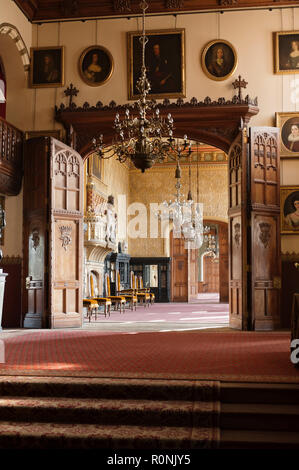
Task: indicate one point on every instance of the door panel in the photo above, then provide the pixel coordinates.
(192, 274)
(66, 236)
(265, 222)
(237, 213)
(179, 271)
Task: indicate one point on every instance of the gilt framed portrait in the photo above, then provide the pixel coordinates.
(286, 52)
(164, 60)
(96, 65)
(95, 166)
(46, 67)
(289, 209)
(219, 59)
(289, 134)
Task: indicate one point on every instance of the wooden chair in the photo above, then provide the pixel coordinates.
(146, 289)
(119, 301)
(142, 297)
(96, 301)
(129, 296)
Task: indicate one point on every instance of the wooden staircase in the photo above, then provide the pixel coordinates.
(90, 413)
(259, 416)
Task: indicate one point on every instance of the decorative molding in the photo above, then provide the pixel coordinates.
(11, 31)
(69, 8)
(265, 233)
(228, 3)
(180, 103)
(237, 235)
(65, 237)
(174, 4)
(121, 6)
(290, 257)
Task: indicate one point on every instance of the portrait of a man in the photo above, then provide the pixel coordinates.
(290, 209)
(95, 65)
(286, 55)
(219, 60)
(289, 132)
(47, 67)
(164, 60)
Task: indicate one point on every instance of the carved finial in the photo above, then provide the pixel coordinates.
(71, 91)
(240, 83)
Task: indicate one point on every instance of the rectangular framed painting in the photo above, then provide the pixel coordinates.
(289, 209)
(46, 67)
(165, 63)
(95, 166)
(286, 52)
(289, 134)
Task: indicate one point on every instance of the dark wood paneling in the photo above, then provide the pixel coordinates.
(11, 158)
(223, 262)
(12, 304)
(45, 10)
(265, 227)
(192, 275)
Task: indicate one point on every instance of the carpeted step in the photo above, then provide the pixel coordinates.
(259, 417)
(110, 412)
(89, 436)
(244, 439)
(259, 393)
(111, 388)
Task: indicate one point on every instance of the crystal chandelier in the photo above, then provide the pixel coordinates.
(186, 215)
(144, 139)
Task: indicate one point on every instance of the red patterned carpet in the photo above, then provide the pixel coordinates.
(228, 356)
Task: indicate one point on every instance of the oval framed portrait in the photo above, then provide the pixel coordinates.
(96, 65)
(219, 59)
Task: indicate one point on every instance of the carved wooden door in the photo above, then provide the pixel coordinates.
(179, 271)
(66, 236)
(238, 226)
(254, 230)
(265, 227)
(223, 263)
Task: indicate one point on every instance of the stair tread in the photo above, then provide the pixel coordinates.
(104, 403)
(260, 408)
(73, 431)
(243, 436)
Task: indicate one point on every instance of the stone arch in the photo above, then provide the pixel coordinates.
(11, 31)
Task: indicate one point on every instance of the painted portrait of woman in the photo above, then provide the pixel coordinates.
(291, 211)
(95, 65)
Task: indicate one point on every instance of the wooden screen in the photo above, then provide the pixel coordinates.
(66, 236)
(237, 213)
(265, 227)
(223, 262)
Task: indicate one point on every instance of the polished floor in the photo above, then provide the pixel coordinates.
(204, 313)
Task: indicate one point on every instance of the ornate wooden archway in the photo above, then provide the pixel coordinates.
(213, 122)
(254, 207)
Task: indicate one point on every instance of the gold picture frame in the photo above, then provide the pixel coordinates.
(95, 167)
(165, 62)
(96, 65)
(221, 68)
(289, 134)
(289, 209)
(46, 67)
(56, 133)
(286, 52)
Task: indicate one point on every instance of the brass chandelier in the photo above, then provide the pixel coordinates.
(144, 139)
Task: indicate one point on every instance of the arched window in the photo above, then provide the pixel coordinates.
(2, 91)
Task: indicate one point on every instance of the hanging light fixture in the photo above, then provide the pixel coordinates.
(185, 214)
(141, 138)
